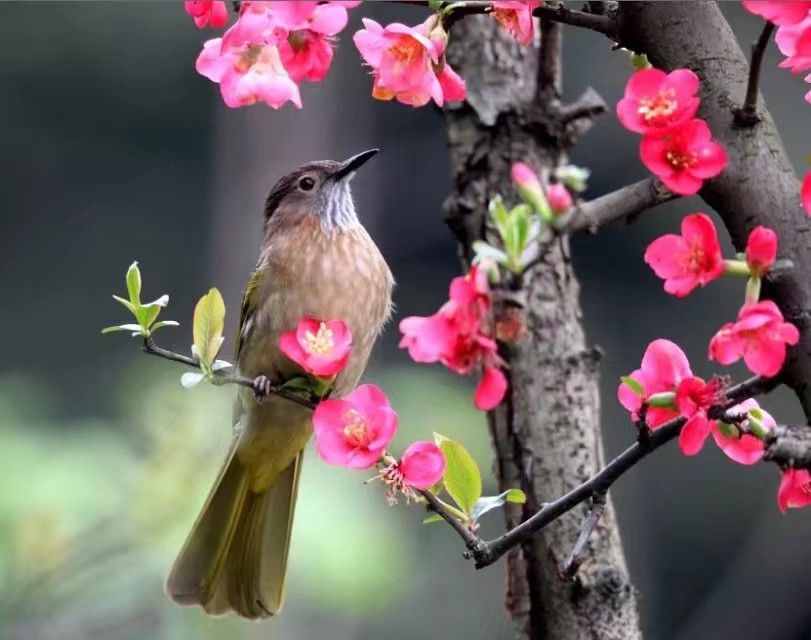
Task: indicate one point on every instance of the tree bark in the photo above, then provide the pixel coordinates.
(546, 434)
(759, 187)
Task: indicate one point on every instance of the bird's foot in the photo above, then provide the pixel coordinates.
(262, 387)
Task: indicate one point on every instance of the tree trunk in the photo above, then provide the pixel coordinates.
(546, 434)
(759, 187)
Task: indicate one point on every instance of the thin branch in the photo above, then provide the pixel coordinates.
(492, 550)
(626, 202)
(604, 24)
(473, 542)
(569, 568)
(747, 115)
(550, 61)
(220, 378)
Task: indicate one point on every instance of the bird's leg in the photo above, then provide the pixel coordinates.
(261, 387)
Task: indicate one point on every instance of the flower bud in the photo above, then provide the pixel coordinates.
(761, 250)
(560, 200)
(529, 187)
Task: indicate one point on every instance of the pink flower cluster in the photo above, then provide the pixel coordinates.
(459, 337)
(355, 431)
(676, 146)
(793, 37)
(271, 48)
(408, 63)
(665, 369)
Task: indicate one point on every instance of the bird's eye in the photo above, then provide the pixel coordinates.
(306, 183)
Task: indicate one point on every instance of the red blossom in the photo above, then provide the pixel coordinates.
(694, 397)
(663, 368)
(422, 465)
(459, 337)
(690, 260)
(684, 157)
(656, 102)
(743, 448)
(761, 250)
(759, 336)
(794, 42)
(805, 193)
(795, 489)
(320, 348)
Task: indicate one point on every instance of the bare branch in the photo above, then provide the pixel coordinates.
(623, 203)
(569, 568)
(747, 115)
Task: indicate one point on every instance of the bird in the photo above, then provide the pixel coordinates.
(316, 260)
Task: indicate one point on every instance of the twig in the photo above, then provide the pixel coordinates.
(474, 543)
(569, 568)
(626, 202)
(550, 69)
(604, 24)
(492, 550)
(746, 115)
(220, 378)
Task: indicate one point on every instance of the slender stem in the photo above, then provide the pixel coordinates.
(220, 378)
(569, 568)
(474, 544)
(747, 115)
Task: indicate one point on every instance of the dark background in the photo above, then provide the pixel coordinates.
(114, 149)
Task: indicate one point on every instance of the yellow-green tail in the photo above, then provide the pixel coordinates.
(235, 557)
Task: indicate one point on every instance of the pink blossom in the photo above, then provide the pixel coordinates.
(761, 250)
(656, 102)
(795, 489)
(307, 50)
(780, 12)
(690, 260)
(458, 337)
(684, 157)
(408, 63)
(247, 74)
(354, 431)
(663, 368)
(207, 13)
(805, 192)
(524, 177)
(759, 336)
(559, 198)
(422, 465)
(794, 42)
(743, 448)
(320, 348)
(516, 17)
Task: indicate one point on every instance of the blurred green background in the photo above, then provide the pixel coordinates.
(114, 149)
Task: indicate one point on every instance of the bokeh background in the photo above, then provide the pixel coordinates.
(114, 149)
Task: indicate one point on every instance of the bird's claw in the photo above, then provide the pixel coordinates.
(262, 388)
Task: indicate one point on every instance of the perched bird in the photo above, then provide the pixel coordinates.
(316, 260)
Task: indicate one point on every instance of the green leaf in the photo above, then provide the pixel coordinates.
(134, 283)
(499, 214)
(434, 517)
(136, 328)
(522, 222)
(435, 5)
(164, 323)
(483, 505)
(640, 61)
(516, 496)
(127, 304)
(191, 379)
(209, 321)
(633, 385)
(486, 251)
(463, 480)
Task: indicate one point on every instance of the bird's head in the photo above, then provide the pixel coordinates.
(318, 189)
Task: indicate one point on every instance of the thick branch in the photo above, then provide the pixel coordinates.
(747, 115)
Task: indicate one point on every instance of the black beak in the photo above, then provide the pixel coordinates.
(348, 167)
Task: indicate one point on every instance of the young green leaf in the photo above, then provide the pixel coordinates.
(209, 321)
(191, 379)
(633, 385)
(434, 517)
(463, 480)
(483, 505)
(130, 307)
(486, 251)
(163, 323)
(134, 283)
(135, 328)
